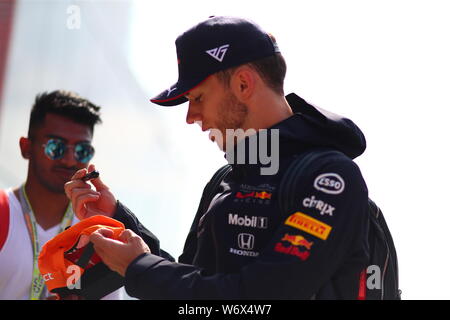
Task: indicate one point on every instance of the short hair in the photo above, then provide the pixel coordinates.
(271, 69)
(64, 103)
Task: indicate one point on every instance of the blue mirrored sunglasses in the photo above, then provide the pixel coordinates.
(54, 149)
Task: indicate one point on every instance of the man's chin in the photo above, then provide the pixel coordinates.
(220, 144)
(216, 136)
(54, 187)
(59, 189)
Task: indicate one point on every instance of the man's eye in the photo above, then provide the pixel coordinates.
(199, 98)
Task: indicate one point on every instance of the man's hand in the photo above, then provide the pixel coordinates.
(118, 255)
(87, 202)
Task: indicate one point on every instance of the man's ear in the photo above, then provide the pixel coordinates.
(25, 147)
(243, 83)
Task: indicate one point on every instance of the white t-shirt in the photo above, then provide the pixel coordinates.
(16, 255)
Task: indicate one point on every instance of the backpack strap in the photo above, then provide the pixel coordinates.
(295, 174)
(379, 229)
(4, 218)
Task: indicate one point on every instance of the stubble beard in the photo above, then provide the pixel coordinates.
(43, 180)
(232, 115)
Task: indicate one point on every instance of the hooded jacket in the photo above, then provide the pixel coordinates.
(245, 247)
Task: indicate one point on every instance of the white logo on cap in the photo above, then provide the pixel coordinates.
(169, 91)
(218, 53)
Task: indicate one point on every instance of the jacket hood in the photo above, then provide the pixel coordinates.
(311, 126)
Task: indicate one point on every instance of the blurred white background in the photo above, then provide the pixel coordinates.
(384, 64)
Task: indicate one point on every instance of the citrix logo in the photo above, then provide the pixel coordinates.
(320, 205)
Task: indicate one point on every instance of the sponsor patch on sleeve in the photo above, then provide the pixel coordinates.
(308, 224)
(330, 183)
(294, 245)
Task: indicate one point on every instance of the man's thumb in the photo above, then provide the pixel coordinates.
(100, 237)
(97, 182)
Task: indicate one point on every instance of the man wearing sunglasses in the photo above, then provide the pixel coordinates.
(59, 140)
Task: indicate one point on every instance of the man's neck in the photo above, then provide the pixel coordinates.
(275, 109)
(48, 207)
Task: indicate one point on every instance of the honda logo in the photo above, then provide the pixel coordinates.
(246, 241)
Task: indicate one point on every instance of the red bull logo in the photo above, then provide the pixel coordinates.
(298, 240)
(293, 251)
(257, 195)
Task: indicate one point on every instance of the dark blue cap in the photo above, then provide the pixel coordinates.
(214, 45)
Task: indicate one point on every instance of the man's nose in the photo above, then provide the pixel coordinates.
(193, 114)
(68, 158)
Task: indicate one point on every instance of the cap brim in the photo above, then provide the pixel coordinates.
(175, 95)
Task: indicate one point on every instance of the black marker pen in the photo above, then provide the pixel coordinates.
(91, 175)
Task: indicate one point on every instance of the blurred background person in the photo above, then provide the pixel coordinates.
(59, 143)
(110, 51)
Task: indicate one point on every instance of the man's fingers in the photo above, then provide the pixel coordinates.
(79, 192)
(102, 237)
(101, 240)
(107, 233)
(99, 185)
(79, 202)
(103, 245)
(127, 235)
(79, 174)
(74, 184)
(118, 254)
(91, 167)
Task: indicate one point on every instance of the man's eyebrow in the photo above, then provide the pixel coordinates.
(54, 136)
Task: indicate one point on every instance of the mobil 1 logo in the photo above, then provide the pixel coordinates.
(246, 221)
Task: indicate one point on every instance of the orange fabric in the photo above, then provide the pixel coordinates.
(53, 265)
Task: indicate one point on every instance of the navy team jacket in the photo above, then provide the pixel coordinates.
(244, 247)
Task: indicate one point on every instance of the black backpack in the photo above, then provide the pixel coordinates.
(381, 274)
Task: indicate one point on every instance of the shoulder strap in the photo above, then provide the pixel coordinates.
(295, 174)
(4, 218)
(379, 228)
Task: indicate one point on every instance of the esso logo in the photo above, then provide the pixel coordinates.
(330, 183)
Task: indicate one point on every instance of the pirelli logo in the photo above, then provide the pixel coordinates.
(310, 225)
